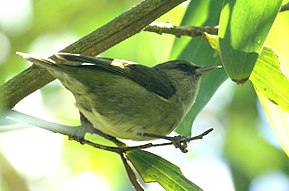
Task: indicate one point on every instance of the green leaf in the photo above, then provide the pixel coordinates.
(213, 40)
(267, 76)
(270, 84)
(269, 80)
(197, 50)
(278, 119)
(244, 27)
(153, 168)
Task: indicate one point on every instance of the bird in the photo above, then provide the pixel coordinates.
(124, 99)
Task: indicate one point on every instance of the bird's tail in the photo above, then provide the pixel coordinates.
(40, 61)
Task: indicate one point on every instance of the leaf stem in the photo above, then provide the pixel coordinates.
(131, 175)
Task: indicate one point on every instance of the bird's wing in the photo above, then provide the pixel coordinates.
(147, 77)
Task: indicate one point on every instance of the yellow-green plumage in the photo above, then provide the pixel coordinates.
(127, 100)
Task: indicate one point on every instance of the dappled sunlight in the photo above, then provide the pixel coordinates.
(241, 153)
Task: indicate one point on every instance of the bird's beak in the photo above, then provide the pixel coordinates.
(204, 69)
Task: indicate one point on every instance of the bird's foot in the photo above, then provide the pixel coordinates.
(179, 141)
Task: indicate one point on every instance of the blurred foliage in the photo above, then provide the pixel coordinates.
(9, 178)
(45, 27)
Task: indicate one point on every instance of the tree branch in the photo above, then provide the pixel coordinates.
(73, 133)
(53, 127)
(117, 30)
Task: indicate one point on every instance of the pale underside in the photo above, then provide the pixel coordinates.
(124, 109)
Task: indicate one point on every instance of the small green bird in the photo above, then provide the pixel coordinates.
(128, 100)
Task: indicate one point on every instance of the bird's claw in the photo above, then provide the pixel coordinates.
(181, 142)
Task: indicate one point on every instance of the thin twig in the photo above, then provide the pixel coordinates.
(168, 28)
(184, 140)
(73, 133)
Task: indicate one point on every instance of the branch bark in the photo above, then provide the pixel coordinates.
(112, 33)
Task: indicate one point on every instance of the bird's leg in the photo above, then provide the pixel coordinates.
(180, 142)
(87, 127)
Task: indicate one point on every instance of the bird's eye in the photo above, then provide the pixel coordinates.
(184, 67)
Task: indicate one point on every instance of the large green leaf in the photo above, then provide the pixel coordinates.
(270, 84)
(267, 76)
(269, 80)
(200, 13)
(244, 26)
(153, 168)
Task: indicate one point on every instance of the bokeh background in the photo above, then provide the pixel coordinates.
(242, 153)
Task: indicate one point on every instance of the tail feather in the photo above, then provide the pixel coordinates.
(40, 61)
(35, 58)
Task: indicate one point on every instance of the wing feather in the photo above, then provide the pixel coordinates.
(150, 78)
